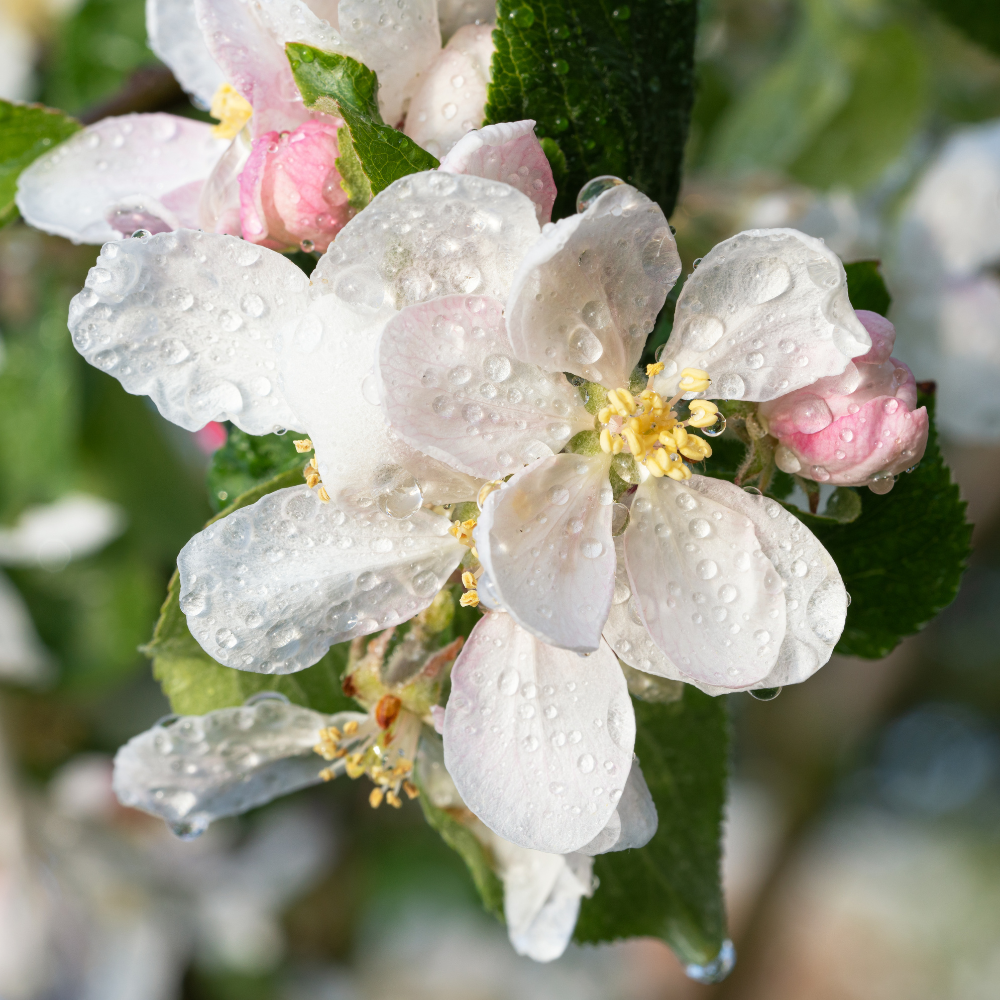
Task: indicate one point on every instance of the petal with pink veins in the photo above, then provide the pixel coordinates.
(815, 598)
(103, 180)
(175, 37)
(588, 292)
(544, 538)
(451, 386)
(508, 152)
(194, 321)
(538, 741)
(271, 587)
(707, 593)
(765, 313)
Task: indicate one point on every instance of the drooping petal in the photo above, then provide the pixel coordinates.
(707, 593)
(23, 658)
(632, 824)
(508, 152)
(453, 14)
(538, 740)
(196, 769)
(451, 386)
(219, 201)
(327, 367)
(428, 235)
(271, 587)
(766, 312)
(117, 176)
(192, 320)
(588, 292)
(52, 534)
(451, 98)
(815, 598)
(398, 42)
(545, 540)
(175, 37)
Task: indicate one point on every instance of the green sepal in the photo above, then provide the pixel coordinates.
(353, 179)
(866, 287)
(249, 460)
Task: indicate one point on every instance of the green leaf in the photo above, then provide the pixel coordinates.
(195, 683)
(353, 179)
(978, 19)
(903, 558)
(866, 287)
(339, 85)
(609, 84)
(26, 131)
(671, 888)
(249, 460)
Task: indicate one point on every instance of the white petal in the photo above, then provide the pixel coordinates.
(815, 598)
(219, 200)
(73, 527)
(23, 658)
(632, 824)
(765, 313)
(193, 320)
(710, 598)
(428, 235)
(453, 14)
(588, 292)
(452, 95)
(451, 386)
(508, 152)
(537, 739)
(624, 630)
(545, 540)
(327, 367)
(117, 176)
(196, 769)
(271, 587)
(175, 37)
(398, 42)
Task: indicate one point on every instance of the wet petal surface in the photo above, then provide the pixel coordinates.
(537, 739)
(175, 37)
(632, 824)
(271, 587)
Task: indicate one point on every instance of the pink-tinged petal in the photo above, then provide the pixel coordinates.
(883, 335)
(290, 189)
(175, 37)
(452, 96)
(219, 204)
(588, 292)
(632, 824)
(545, 540)
(451, 386)
(193, 320)
(815, 598)
(271, 587)
(538, 741)
(508, 152)
(709, 597)
(456, 234)
(97, 184)
(765, 313)
(454, 14)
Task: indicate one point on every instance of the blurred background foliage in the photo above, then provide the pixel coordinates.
(862, 851)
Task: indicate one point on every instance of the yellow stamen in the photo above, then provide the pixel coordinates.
(694, 380)
(351, 727)
(470, 599)
(303, 445)
(393, 799)
(462, 530)
(328, 774)
(232, 110)
(375, 799)
(312, 480)
(704, 413)
(410, 789)
(469, 580)
(323, 495)
(607, 445)
(654, 369)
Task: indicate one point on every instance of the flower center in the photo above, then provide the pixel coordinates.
(650, 429)
(232, 110)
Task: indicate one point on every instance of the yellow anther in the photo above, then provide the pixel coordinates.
(323, 495)
(231, 109)
(694, 380)
(375, 799)
(303, 445)
(667, 440)
(485, 490)
(469, 580)
(462, 530)
(680, 436)
(312, 479)
(704, 413)
(354, 767)
(607, 445)
(351, 727)
(654, 369)
(635, 446)
(622, 402)
(604, 415)
(617, 445)
(393, 799)
(470, 599)
(679, 471)
(696, 448)
(328, 774)
(410, 789)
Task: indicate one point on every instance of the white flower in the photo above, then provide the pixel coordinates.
(162, 172)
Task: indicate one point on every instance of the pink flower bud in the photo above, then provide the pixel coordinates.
(290, 193)
(854, 429)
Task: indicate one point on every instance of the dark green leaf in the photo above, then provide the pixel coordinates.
(903, 558)
(978, 19)
(196, 684)
(670, 888)
(609, 84)
(26, 131)
(866, 288)
(342, 86)
(248, 460)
